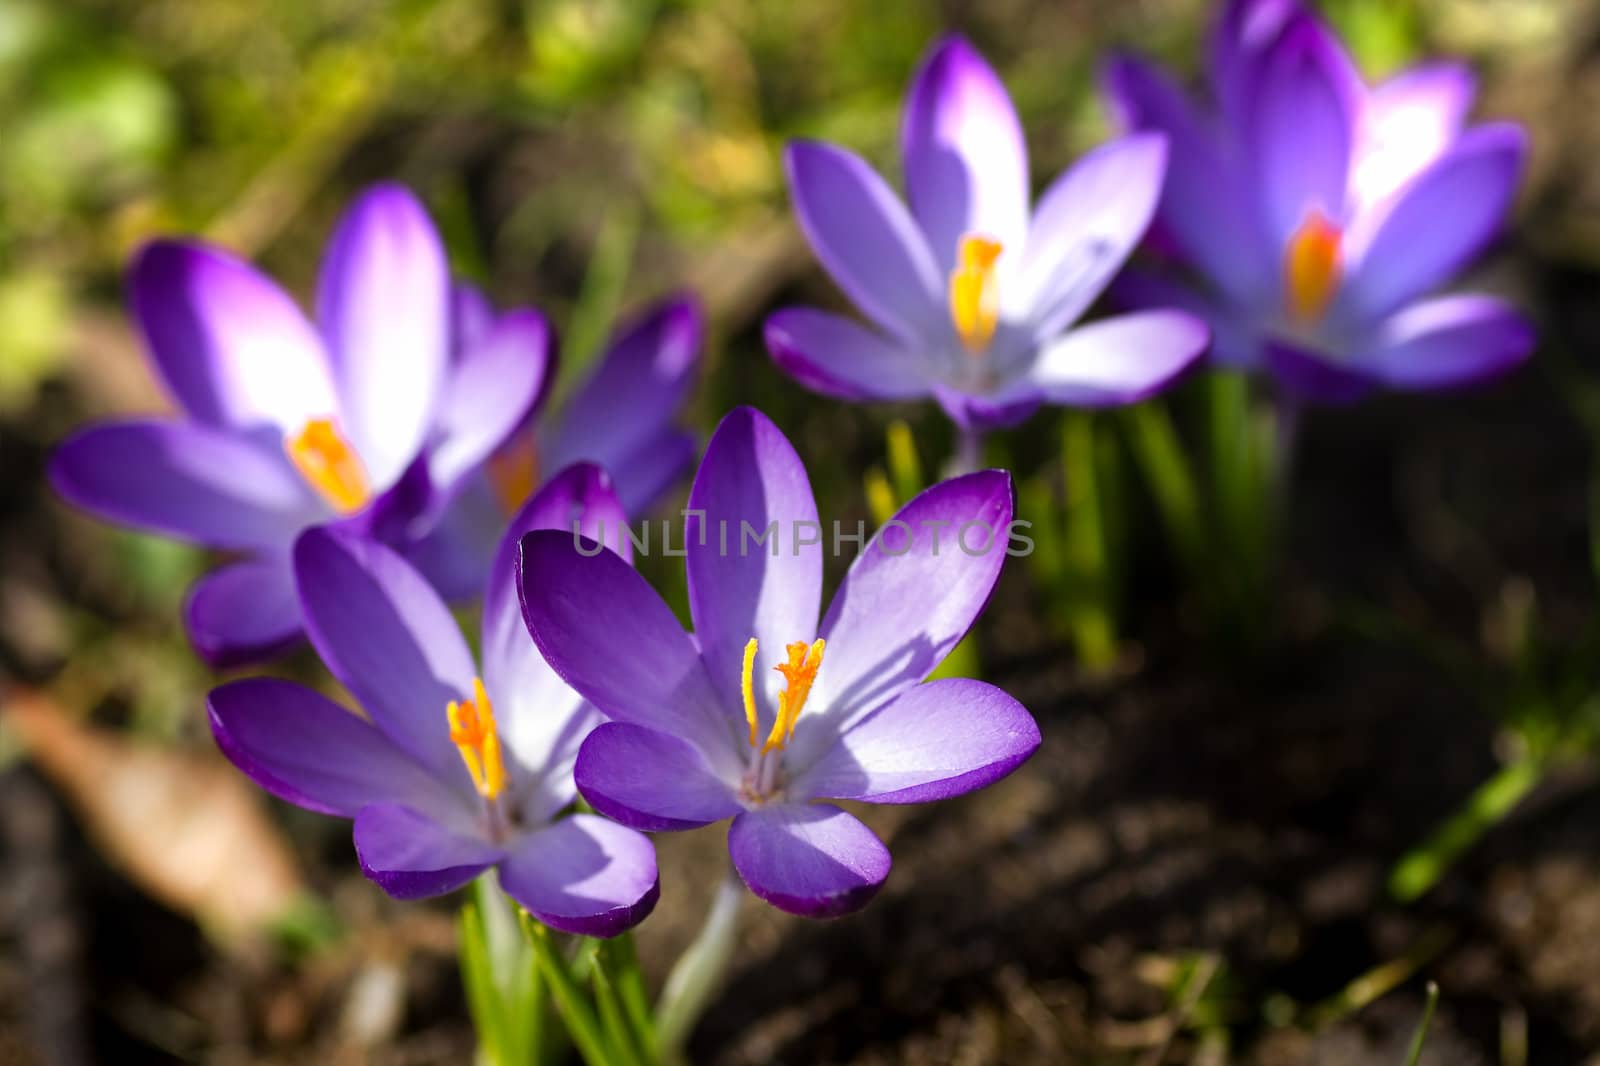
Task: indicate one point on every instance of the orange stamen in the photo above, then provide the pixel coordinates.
(1313, 267)
(975, 292)
(799, 673)
(514, 471)
(329, 465)
(473, 732)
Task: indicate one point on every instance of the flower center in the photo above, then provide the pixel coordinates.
(975, 292)
(514, 471)
(1313, 267)
(329, 465)
(799, 672)
(472, 731)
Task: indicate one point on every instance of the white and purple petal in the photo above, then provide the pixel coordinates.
(412, 856)
(651, 780)
(751, 481)
(1438, 224)
(837, 356)
(1301, 127)
(1449, 342)
(635, 391)
(542, 720)
(583, 875)
(813, 860)
(386, 635)
(244, 612)
(1406, 124)
(906, 601)
(966, 161)
(1208, 207)
(307, 750)
(491, 389)
(231, 346)
(201, 483)
(934, 741)
(609, 635)
(866, 240)
(384, 305)
(1087, 224)
(1118, 360)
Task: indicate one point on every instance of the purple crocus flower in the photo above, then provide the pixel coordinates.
(699, 733)
(365, 419)
(1319, 213)
(442, 783)
(971, 296)
(621, 417)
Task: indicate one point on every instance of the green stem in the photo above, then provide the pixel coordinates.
(1421, 868)
(1089, 590)
(1422, 1027)
(582, 1026)
(1172, 483)
(629, 980)
(694, 980)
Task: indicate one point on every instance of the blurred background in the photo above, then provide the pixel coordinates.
(1195, 866)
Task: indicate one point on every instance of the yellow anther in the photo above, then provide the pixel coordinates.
(1313, 267)
(329, 465)
(975, 292)
(799, 673)
(747, 686)
(473, 732)
(514, 472)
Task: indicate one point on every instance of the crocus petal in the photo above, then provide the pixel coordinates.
(644, 476)
(1119, 360)
(1448, 342)
(187, 480)
(1317, 377)
(1207, 209)
(1087, 224)
(491, 390)
(935, 741)
(383, 301)
(305, 749)
(988, 412)
(609, 635)
(244, 612)
(232, 347)
(584, 875)
(1407, 123)
(635, 391)
(454, 555)
(543, 720)
(389, 639)
(966, 161)
(650, 780)
(866, 239)
(411, 856)
(1234, 341)
(1243, 35)
(1303, 117)
(837, 357)
(1440, 223)
(751, 481)
(471, 317)
(906, 601)
(813, 860)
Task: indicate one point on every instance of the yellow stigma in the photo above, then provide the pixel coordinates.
(514, 472)
(472, 731)
(975, 292)
(1313, 267)
(799, 673)
(329, 465)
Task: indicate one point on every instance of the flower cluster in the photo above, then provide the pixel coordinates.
(370, 464)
